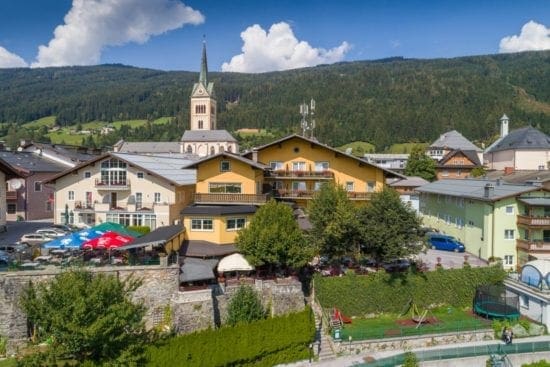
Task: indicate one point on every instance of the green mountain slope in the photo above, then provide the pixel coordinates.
(381, 102)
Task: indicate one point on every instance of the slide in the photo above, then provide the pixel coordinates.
(339, 315)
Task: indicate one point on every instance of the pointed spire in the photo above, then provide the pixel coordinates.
(204, 66)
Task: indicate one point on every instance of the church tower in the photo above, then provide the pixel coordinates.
(203, 102)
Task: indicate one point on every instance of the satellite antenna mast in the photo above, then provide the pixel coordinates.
(308, 118)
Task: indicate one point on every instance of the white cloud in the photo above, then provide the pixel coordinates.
(10, 60)
(279, 49)
(91, 25)
(533, 36)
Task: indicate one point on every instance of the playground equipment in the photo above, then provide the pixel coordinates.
(416, 315)
(337, 319)
(492, 302)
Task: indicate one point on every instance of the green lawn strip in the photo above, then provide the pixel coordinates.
(44, 121)
(59, 137)
(359, 148)
(386, 326)
(403, 148)
(9, 362)
(262, 132)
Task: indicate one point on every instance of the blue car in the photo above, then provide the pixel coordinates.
(443, 242)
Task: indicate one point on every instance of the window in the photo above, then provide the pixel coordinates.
(139, 175)
(509, 210)
(349, 186)
(229, 148)
(200, 109)
(157, 197)
(298, 166)
(321, 166)
(87, 174)
(203, 224)
(139, 200)
(299, 186)
(371, 185)
(71, 195)
(225, 166)
(524, 301)
(212, 150)
(133, 219)
(37, 186)
(317, 185)
(234, 224)
(445, 173)
(232, 188)
(276, 165)
(89, 199)
(12, 208)
(470, 222)
(508, 259)
(113, 172)
(201, 124)
(508, 234)
(189, 149)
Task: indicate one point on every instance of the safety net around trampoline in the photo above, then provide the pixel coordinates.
(492, 301)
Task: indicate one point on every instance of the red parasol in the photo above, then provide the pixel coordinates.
(108, 241)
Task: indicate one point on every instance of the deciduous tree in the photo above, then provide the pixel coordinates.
(419, 164)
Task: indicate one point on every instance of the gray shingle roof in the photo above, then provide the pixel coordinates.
(475, 189)
(169, 168)
(207, 135)
(31, 162)
(233, 156)
(150, 147)
(454, 140)
(410, 181)
(519, 177)
(536, 201)
(524, 138)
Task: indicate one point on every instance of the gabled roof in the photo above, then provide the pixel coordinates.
(524, 138)
(520, 177)
(228, 155)
(409, 181)
(315, 142)
(207, 135)
(29, 162)
(171, 169)
(72, 154)
(475, 189)
(470, 154)
(454, 140)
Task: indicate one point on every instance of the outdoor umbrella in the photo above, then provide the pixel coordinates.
(235, 262)
(108, 241)
(115, 227)
(70, 241)
(90, 233)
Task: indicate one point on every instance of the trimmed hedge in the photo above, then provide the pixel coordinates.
(140, 229)
(357, 295)
(263, 343)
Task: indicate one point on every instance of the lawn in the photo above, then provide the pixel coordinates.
(48, 121)
(404, 148)
(445, 319)
(359, 148)
(10, 362)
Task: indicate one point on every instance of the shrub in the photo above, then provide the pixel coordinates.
(262, 343)
(410, 360)
(140, 229)
(541, 363)
(245, 306)
(382, 292)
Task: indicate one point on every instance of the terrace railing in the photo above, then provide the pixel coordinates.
(534, 221)
(217, 198)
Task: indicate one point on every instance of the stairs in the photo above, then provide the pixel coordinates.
(323, 344)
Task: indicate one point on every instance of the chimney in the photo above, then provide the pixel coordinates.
(255, 155)
(508, 170)
(504, 120)
(489, 190)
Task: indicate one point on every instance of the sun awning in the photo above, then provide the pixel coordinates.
(197, 269)
(235, 262)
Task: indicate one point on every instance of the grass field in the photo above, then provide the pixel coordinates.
(44, 121)
(245, 133)
(404, 147)
(359, 148)
(449, 319)
(10, 362)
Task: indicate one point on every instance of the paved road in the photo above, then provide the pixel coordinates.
(17, 229)
(450, 259)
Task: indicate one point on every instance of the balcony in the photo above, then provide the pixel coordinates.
(82, 206)
(301, 175)
(11, 195)
(308, 194)
(112, 185)
(237, 199)
(534, 245)
(533, 221)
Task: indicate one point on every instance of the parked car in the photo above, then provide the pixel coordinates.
(64, 227)
(439, 241)
(35, 239)
(14, 248)
(396, 265)
(5, 258)
(52, 232)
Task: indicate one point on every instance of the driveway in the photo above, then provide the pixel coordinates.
(17, 229)
(450, 259)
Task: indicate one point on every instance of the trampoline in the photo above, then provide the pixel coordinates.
(492, 302)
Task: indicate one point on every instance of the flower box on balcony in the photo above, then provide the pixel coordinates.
(279, 172)
(298, 173)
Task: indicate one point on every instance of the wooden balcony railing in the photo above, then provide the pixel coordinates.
(534, 245)
(112, 185)
(222, 198)
(83, 206)
(534, 221)
(11, 195)
(318, 175)
(308, 194)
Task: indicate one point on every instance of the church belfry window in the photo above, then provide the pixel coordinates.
(189, 149)
(212, 150)
(201, 124)
(200, 108)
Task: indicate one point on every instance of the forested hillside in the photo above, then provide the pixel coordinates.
(381, 102)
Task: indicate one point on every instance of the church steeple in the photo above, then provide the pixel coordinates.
(204, 66)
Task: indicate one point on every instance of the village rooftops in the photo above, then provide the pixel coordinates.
(524, 138)
(207, 136)
(152, 147)
(486, 190)
(454, 140)
(28, 162)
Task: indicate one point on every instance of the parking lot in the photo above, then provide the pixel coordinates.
(17, 229)
(449, 259)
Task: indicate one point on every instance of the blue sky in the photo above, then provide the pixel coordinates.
(167, 34)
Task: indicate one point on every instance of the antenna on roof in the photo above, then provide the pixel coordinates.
(308, 111)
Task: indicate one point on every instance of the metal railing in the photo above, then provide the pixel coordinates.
(301, 174)
(112, 185)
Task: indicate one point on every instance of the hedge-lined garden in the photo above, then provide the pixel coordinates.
(357, 295)
(263, 343)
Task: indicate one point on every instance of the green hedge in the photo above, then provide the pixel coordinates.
(263, 343)
(357, 295)
(140, 229)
